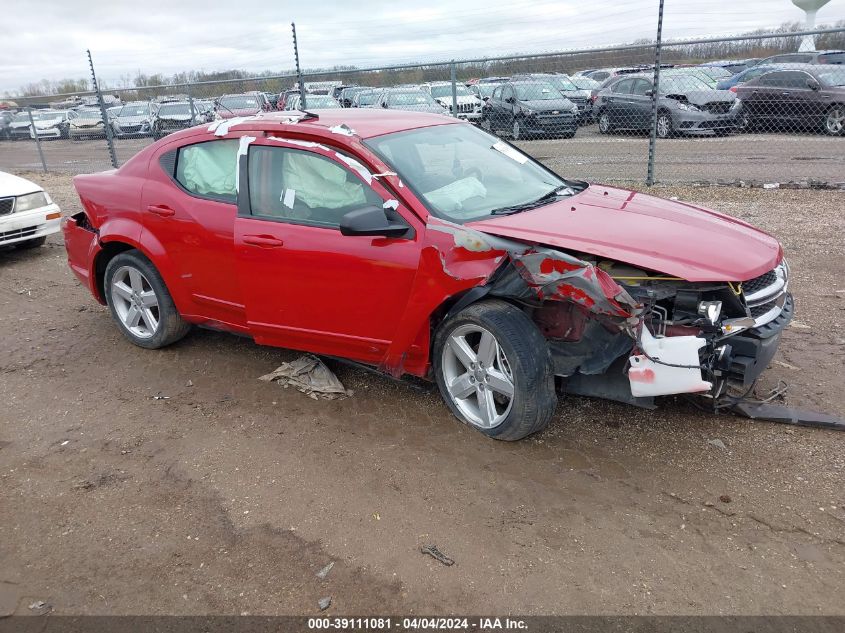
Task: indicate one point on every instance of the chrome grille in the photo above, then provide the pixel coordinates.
(758, 283)
(717, 107)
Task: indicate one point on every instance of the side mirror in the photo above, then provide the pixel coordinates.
(485, 98)
(649, 93)
(384, 104)
(510, 100)
(371, 221)
(812, 84)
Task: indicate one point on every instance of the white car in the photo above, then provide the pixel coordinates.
(51, 123)
(27, 214)
(469, 105)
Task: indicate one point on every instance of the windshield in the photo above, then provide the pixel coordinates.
(321, 101)
(175, 109)
(833, 77)
(463, 173)
(539, 91)
(446, 91)
(561, 83)
(585, 83)
(486, 90)
(240, 102)
(716, 72)
(367, 98)
(47, 116)
(680, 84)
(22, 116)
(417, 97)
(134, 110)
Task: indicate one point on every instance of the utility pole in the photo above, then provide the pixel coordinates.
(103, 113)
(302, 104)
(652, 141)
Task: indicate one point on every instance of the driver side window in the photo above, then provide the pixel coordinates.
(305, 188)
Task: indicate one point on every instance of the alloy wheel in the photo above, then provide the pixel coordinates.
(477, 376)
(604, 122)
(135, 302)
(517, 131)
(835, 121)
(664, 126)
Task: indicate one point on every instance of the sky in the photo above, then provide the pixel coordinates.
(157, 36)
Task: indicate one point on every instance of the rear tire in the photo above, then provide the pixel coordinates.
(140, 303)
(834, 121)
(486, 351)
(665, 128)
(605, 123)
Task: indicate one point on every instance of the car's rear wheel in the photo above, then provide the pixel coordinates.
(605, 123)
(492, 366)
(140, 302)
(516, 130)
(834, 122)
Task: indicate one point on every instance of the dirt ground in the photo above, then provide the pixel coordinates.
(228, 496)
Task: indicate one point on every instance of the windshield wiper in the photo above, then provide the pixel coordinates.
(548, 197)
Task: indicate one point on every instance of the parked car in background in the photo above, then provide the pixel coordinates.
(685, 105)
(272, 100)
(412, 99)
(281, 102)
(245, 104)
(731, 83)
(809, 57)
(709, 75)
(483, 90)
(487, 272)
(51, 123)
(492, 80)
(337, 90)
(178, 116)
(347, 94)
(366, 98)
(603, 74)
(469, 105)
(136, 118)
(27, 214)
(318, 102)
(19, 126)
(88, 123)
(530, 108)
(579, 97)
(584, 83)
(797, 98)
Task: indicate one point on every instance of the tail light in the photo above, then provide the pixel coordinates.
(732, 89)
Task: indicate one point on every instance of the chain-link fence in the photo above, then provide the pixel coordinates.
(750, 109)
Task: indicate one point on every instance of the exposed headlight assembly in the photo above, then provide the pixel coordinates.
(31, 201)
(711, 311)
(687, 106)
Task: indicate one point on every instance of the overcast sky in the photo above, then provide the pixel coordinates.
(47, 39)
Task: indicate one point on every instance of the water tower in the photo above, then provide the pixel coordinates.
(810, 8)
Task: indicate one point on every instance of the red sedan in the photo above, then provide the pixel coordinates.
(422, 245)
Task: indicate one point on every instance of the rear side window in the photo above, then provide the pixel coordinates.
(641, 86)
(303, 187)
(208, 169)
(832, 58)
(623, 87)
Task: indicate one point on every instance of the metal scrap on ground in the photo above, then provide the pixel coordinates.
(435, 553)
(309, 375)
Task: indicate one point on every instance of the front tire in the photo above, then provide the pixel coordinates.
(140, 302)
(493, 369)
(516, 131)
(834, 121)
(665, 128)
(605, 123)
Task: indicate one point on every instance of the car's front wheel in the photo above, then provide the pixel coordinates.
(605, 123)
(140, 302)
(493, 369)
(834, 121)
(665, 128)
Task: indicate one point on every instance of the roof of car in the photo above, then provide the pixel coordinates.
(365, 122)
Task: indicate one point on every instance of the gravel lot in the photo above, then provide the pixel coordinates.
(231, 494)
(590, 155)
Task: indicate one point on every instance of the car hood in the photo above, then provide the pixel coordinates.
(235, 112)
(48, 123)
(178, 117)
(80, 122)
(544, 105)
(701, 97)
(11, 185)
(673, 238)
(462, 100)
(420, 108)
(17, 124)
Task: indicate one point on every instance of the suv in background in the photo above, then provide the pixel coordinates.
(568, 89)
(468, 104)
(530, 108)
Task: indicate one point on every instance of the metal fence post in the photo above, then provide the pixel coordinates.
(191, 104)
(103, 113)
(652, 141)
(453, 73)
(302, 104)
(37, 139)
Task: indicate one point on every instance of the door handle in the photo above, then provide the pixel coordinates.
(161, 209)
(264, 241)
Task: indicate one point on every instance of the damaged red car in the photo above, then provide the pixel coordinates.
(419, 244)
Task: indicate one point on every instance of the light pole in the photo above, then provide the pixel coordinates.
(810, 8)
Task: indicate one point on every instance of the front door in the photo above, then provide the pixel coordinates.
(306, 286)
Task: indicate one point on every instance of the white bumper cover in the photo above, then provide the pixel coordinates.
(28, 225)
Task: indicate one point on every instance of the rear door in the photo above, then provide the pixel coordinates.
(641, 103)
(306, 286)
(619, 103)
(189, 206)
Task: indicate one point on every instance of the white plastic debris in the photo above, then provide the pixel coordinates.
(343, 129)
(288, 197)
(510, 152)
(309, 375)
(771, 185)
(325, 571)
